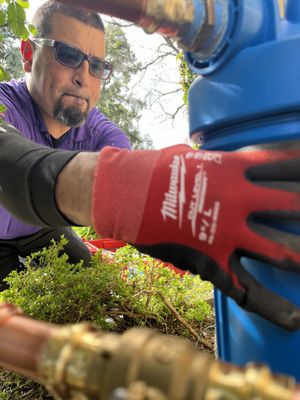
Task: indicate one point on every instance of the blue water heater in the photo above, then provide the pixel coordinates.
(248, 92)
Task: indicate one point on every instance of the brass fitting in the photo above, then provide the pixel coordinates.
(171, 18)
(163, 16)
(252, 382)
(79, 363)
(176, 19)
(167, 17)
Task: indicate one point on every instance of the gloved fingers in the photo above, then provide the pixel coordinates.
(277, 217)
(280, 146)
(283, 174)
(280, 189)
(282, 245)
(263, 301)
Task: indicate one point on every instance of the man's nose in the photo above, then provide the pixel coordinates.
(82, 75)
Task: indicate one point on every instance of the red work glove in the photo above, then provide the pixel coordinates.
(204, 210)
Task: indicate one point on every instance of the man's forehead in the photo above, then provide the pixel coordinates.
(68, 29)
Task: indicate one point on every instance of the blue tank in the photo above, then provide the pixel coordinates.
(249, 93)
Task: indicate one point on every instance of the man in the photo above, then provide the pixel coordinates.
(55, 106)
(175, 204)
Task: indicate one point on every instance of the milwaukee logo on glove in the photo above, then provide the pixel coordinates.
(173, 205)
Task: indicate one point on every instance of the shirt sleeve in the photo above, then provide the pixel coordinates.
(106, 133)
(5, 100)
(15, 112)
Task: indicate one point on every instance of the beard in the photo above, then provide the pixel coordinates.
(71, 116)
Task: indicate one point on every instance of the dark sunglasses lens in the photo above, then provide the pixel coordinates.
(68, 56)
(100, 69)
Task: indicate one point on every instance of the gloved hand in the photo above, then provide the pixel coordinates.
(204, 210)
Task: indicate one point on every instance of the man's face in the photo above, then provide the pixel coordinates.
(64, 94)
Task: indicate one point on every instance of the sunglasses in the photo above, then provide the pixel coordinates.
(73, 58)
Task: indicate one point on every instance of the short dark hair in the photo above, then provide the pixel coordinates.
(42, 19)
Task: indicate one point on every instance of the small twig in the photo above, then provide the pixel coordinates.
(184, 322)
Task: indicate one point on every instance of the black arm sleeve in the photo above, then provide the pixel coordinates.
(28, 175)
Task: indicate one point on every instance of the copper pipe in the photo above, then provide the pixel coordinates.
(22, 340)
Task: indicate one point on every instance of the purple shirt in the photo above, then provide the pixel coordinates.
(97, 132)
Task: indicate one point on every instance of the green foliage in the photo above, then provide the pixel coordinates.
(15, 387)
(161, 296)
(114, 293)
(86, 232)
(2, 107)
(16, 18)
(61, 292)
(10, 57)
(186, 76)
(118, 101)
(3, 74)
(13, 25)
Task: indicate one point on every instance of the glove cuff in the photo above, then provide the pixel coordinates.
(121, 183)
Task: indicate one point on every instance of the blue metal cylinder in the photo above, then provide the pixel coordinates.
(254, 97)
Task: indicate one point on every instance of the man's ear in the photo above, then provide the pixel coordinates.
(26, 51)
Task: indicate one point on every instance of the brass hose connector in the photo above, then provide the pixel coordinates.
(79, 363)
(167, 17)
(153, 15)
(252, 382)
(171, 18)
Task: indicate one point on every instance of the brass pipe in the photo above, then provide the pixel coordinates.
(78, 362)
(168, 17)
